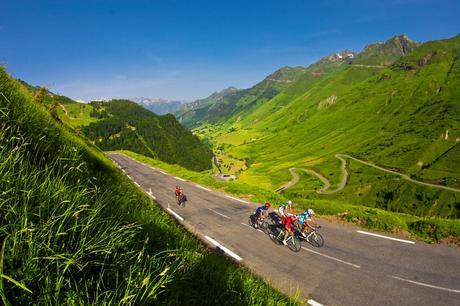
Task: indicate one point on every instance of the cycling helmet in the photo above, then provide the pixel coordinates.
(311, 211)
(267, 205)
(290, 203)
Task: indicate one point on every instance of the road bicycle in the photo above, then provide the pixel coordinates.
(313, 237)
(262, 224)
(293, 242)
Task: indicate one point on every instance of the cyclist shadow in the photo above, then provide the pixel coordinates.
(275, 225)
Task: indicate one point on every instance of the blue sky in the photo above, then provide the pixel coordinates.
(189, 49)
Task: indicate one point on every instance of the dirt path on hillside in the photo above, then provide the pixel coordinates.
(343, 183)
(368, 66)
(64, 109)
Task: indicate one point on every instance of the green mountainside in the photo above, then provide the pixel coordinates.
(220, 106)
(404, 117)
(125, 125)
(75, 231)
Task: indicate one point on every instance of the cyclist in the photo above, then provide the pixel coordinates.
(178, 193)
(261, 211)
(289, 227)
(285, 209)
(306, 221)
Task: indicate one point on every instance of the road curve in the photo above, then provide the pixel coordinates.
(351, 269)
(343, 182)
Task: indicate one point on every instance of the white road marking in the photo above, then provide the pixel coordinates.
(220, 246)
(333, 258)
(151, 194)
(216, 212)
(180, 179)
(236, 199)
(204, 188)
(425, 285)
(129, 177)
(386, 237)
(123, 171)
(175, 214)
(163, 172)
(152, 168)
(314, 303)
(137, 184)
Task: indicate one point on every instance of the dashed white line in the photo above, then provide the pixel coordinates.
(137, 184)
(204, 188)
(152, 168)
(236, 199)
(425, 285)
(123, 170)
(175, 214)
(314, 303)
(220, 246)
(180, 179)
(333, 258)
(386, 237)
(163, 172)
(216, 212)
(129, 177)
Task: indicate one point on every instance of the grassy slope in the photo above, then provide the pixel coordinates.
(393, 116)
(122, 124)
(74, 230)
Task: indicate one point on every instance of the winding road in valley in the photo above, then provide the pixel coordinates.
(343, 182)
(354, 267)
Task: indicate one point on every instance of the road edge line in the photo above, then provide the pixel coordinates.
(175, 214)
(424, 284)
(333, 258)
(385, 237)
(227, 251)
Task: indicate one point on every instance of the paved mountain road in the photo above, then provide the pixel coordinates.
(351, 268)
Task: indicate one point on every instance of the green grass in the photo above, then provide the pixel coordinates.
(393, 117)
(74, 230)
(304, 196)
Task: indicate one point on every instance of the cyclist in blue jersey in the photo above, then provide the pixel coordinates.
(261, 211)
(306, 221)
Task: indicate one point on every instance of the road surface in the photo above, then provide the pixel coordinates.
(352, 268)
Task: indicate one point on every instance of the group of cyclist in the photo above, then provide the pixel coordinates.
(304, 221)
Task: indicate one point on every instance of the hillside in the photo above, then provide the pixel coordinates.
(76, 231)
(403, 117)
(222, 105)
(125, 125)
(128, 126)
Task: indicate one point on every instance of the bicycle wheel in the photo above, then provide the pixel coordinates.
(316, 240)
(294, 244)
(251, 220)
(274, 237)
(265, 227)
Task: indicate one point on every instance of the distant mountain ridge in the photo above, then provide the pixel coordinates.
(226, 103)
(159, 106)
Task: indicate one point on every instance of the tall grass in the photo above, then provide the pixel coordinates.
(74, 230)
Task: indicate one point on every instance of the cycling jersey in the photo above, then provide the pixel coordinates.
(305, 216)
(289, 221)
(260, 209)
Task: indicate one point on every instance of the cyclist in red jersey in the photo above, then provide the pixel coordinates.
(178, 193)
(288, 227)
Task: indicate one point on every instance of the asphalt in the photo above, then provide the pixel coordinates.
(350, 269)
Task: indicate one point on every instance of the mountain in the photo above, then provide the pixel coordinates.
(386, 53)
(158, 105)
(396, 111)
(125, 125)
(222, 105)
